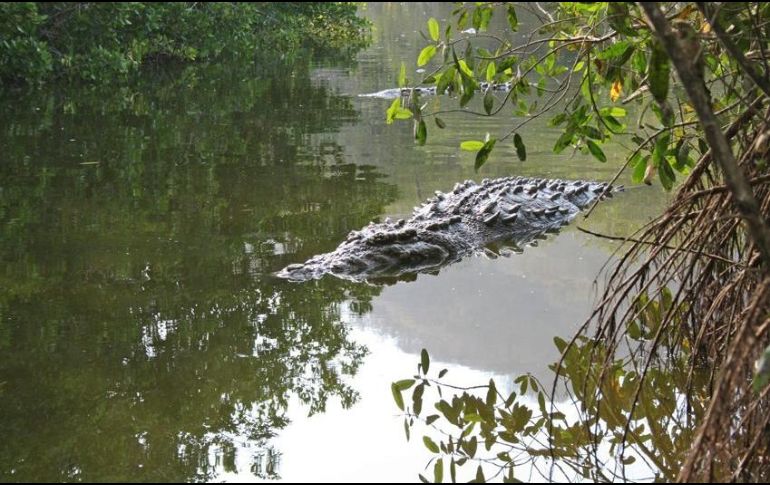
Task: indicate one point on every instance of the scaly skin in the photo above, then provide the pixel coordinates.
(450, 226)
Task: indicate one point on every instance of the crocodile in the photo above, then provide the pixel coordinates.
(512, 211)
(405, 92)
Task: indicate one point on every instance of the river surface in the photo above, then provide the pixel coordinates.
(143, 335)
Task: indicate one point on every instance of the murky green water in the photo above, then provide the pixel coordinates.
(142, 334)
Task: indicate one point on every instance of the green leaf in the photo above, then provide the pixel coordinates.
(563, 142)
(491, 394)
(402, 76)
(431, 419)
(660, 150)
(426, 55)
(703, 146)
(404, 384)
(682, 156)
(507, 63)
(659, 73)
(430, 445)
(483, 52)
(513, 20)
(465, 69)
(462, 20)
(533, 384)
(592, 132)
(406, 429)
(442, 373)
(462, 66)
(470, 446)
(629, 460)
(403, 114)
(479, 475)
(614, 111)
(439, 122)
(445, 80)
(390, 115)
(596, 151)
(483, 154)
(613, 123)
(558, 119)
(521, 150)
(504, 456)
(560, 343)
(421, 133)
(486, 17)
(471, 145)
(477, 19)
(466, 97)
(397, 396)
(616, 50)
(424, 361)
(489, 101)
(438, 471)
(639, 61)
(640, 166)
(667, 176)
(417, 398)
(433, 28)
(491, 71)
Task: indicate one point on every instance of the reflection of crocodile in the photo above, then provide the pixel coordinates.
(509, 211)
(394, 93)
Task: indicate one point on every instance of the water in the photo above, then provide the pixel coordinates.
(142, 334)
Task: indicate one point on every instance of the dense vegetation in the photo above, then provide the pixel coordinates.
(100, 42)
(668, 379)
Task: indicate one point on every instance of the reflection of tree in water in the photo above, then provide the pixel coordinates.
(229, 369)
(142, 336)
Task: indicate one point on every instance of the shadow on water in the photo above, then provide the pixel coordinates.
(141, 334)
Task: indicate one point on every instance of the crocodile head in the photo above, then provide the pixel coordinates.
(380, 250)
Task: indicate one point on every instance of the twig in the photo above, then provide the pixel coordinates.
(656, 244)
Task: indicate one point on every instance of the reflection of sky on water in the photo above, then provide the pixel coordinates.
(365, 442)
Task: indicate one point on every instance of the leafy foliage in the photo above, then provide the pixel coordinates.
(99, 42)
(585, 66)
